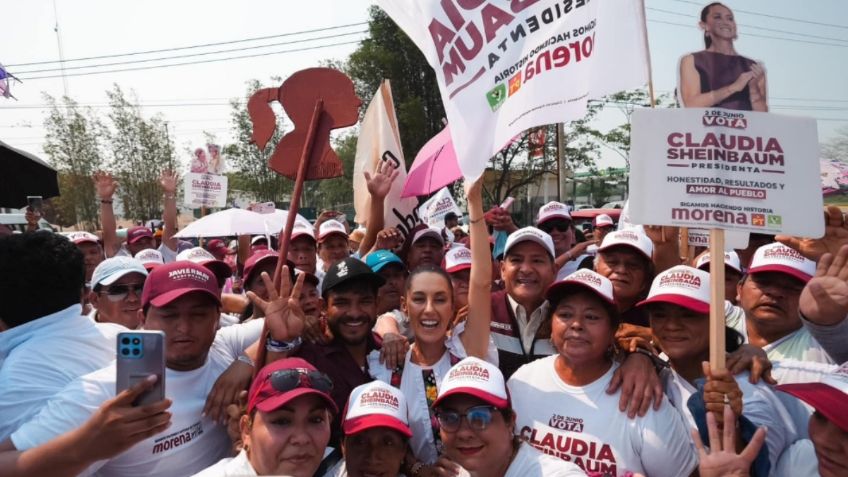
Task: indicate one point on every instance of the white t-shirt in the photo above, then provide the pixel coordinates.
(798, 459)
(529, 462)
(582, 424)
(41, 357)
(191, 444)
(759, 404)
(237, 466)
(412, 386)
(796, 358)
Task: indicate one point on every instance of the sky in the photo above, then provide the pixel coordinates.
(803, 45)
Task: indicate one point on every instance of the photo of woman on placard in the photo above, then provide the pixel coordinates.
(718, 76)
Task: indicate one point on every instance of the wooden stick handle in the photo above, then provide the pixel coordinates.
(717, 322)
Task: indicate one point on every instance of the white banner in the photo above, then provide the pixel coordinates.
(205, 190)
(733, 240)
(718, 168)
(504, 67)
(433, 211)
(379, 141)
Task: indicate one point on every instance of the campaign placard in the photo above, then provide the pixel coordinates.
(205, 190)
(733, 170)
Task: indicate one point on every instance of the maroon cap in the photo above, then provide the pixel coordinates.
(172, 280)
(266, 395)
(828, 396)
(219, 249)
(134, 234)
(255, 259)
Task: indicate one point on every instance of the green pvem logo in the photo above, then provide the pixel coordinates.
(775, 221)
(496, 96)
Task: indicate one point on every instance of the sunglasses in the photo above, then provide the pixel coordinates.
(120, 292)
(286, 380)
(560, 225)
(478, 418)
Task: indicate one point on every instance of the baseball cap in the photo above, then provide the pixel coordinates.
(331, 227)
(431, 232)
(681, 285)
(477, 378)
(81, 237)
(112, 269)
(349, 269)
(731, 259)
(380, 258)
(258, 238)
(283, 380)
(255, 259)
(583, 279)
(457, 259)
(171, 281)
(219, 249)
(202, 257)
(828, 396)
(776, 257)
(300, 229)
(633, 238)
(134, 234)
(150, 258)
(376, 404)
(552, 210)
(603, 220)
(531, 234)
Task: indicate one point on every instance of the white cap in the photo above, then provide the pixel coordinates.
(731, 259)
(431, 232)
(776, 257)
(478, 378)
(603, 220)
(633, 238)
(376, 404)
(457, 259)
(681, 285)
(201, 256)
(150, 258)
(552, 210)
(112, 269)
(301, 229)
(257, 238)
(331, 227)
(586, 279)
(80, 237)
(531, 234)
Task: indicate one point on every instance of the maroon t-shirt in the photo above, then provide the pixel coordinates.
(718, 70)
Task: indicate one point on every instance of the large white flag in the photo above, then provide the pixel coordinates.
(378, 141)
(506, 66)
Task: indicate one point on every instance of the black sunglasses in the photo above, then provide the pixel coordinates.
(120, 292)
(560, 225)
(478, 418)
(285, 380)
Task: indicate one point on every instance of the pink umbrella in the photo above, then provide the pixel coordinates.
(434, 167)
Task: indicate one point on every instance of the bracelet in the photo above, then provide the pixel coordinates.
(470, 221)
(246, 359)
(105, 201)
(659, 363)
(275, 346)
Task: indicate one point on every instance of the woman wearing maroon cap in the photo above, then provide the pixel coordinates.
(287, 425)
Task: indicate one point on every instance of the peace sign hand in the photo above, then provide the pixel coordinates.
(283, 315)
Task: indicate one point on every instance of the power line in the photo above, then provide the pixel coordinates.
(191, 46)
(194, 62)
(775, 30)
(795, 40)
(191, 55)
(701, 4)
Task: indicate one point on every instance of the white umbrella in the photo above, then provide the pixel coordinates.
(237, 222)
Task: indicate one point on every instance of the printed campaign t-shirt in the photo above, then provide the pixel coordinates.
(191, 444)
(582, 424)
(530, 462)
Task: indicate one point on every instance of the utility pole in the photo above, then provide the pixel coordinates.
(61, 53)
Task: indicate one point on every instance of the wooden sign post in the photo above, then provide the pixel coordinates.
(717, 316)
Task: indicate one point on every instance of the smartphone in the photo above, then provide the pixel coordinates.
(35, 203)
(140, 354)
(506, 203)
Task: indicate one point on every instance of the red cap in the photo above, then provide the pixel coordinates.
(255, 259)
(172, 280)
(264, 397)
(828, 396)
(134, 234)
(219, 249)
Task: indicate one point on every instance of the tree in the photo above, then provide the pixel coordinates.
(141, 150)
(74, 145)
(251, 171)
(837, 147)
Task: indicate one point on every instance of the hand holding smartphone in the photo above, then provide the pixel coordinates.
(140, 354)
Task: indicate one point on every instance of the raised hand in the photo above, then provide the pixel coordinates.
(388, 239)
(752, 359)
(722, 459)
(169, 180)
(824, 299)
(835, 236)
(105, 185)
(283, 316)
(380, 183)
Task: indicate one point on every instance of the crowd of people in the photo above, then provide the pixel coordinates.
(485, 350)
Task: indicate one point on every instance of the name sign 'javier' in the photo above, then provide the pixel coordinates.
(732, 170)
